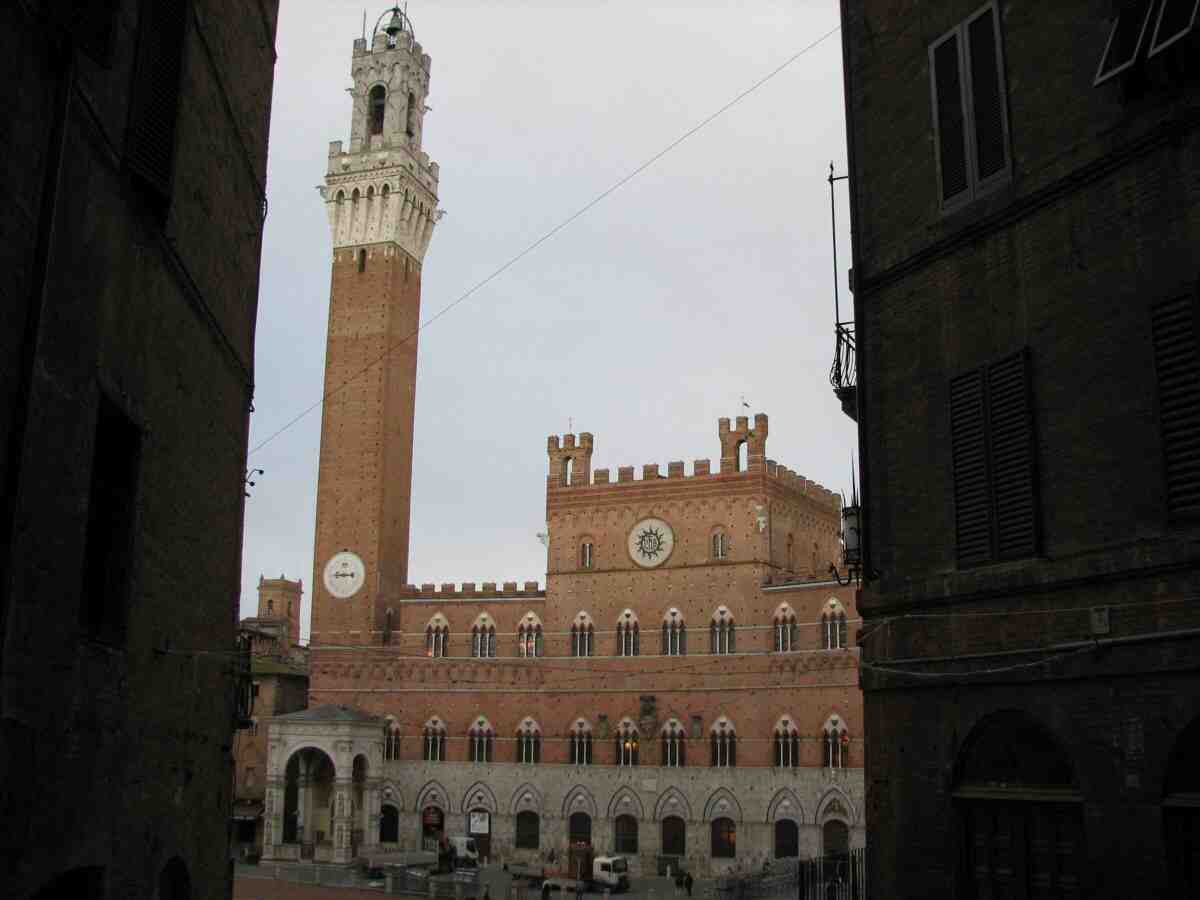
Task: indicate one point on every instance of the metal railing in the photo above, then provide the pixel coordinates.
(843, 374)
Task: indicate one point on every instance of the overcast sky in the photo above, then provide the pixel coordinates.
(706, 278)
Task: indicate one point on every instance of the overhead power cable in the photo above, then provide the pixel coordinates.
(512, 261)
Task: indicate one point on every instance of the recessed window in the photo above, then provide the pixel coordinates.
(627, 745)
(966, 68)
(628, 637)
(723, 744)
(111, 516)
(787, 745)
(585, 555)
(529, 743)
(481, 743)
(1125, 40)
(674, 635)
(721, 633)
(581, 744)
(625, 834)
(833, 627)
(155, 98)
(433, 741)
(1176, 329)
(1176, 19)
(720, 545)
(674, 745)
(376, 104)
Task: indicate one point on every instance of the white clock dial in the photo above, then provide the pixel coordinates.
(651, 542)
(344, 574)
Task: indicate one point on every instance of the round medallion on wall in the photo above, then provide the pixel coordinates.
(651, 542)
(344, 574)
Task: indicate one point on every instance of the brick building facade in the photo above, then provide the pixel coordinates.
(1025, 212)
(685, 685)
(135, 152)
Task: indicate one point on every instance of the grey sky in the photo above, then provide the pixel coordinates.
(707, 277)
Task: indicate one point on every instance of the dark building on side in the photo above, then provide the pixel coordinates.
(134, 167)
(1025, 195)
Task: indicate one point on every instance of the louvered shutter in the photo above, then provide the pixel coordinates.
(150, 144)
(1014, 484)
(951, 120)
(968, 439)
(987, 96)
(1176, 325)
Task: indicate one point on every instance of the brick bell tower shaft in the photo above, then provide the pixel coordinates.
(381, 197)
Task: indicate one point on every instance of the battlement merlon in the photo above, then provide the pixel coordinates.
(570, 460)
(449, 591)
(732, 439)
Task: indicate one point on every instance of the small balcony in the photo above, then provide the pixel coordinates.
(843, 374)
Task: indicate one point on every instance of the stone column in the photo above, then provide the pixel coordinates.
(273, 816)
(371, 812)
(342, 822)
(304, 798)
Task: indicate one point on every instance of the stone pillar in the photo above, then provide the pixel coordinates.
(273, 816)
(371, 812)
(342, 821)
(304, 799)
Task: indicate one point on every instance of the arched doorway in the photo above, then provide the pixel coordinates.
(835, 838)
(529, 828)
(579, 828)
(1019, 812)
(433, 825)
(174, 882)
(674, 836)
(724, 839)
(625, 834)
(1181, 814)
(308, 799)
(389, 825)
(479, 826)
(787, 839)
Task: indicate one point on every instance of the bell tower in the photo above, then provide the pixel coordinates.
(381, 197)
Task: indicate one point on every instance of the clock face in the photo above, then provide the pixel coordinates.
(344, 574)
(651, 542)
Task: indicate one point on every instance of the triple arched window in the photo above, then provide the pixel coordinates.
(627, 744)
(835, 744)
(786, 631)
(433, 741)
(483, 638)
(786, 744)
(721, 632)
(674, 634)
(529, 742)
(723, 744)
(833, 626)
(628, 635)
(529, 636)
(581, 743)
(674, 745)
(481, 742)
(437, 637)
(391, 740)
(583, 636)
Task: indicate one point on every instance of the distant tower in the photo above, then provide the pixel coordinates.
(381, 197)
(279, 598)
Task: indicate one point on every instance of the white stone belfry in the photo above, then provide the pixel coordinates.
(384, 190)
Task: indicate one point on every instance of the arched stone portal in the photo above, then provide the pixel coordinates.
(308, 800)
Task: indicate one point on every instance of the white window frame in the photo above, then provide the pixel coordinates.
(586, 556)
(976, 187)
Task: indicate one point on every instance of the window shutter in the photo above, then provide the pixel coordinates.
(987, 98)
(1175, 20)
(951, 121)
(968, 439)
(1176, 325)
(154, 109)
(1014, 487)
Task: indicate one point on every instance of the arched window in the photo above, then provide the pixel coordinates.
(724, 839)
(529, 830)
(481, 741)
(529, 636)
(270, 607)
(786, 744)
(376, 103)
(628, 637)
(411, 116)
(674, 836)
(724, 744)
(433, 741)
(579, 828)
(835, 741)
(362, 258)
(674, 744)
(720, 545)
(389, 824)
(437, 637)
(674, 634)
(586, 554)
(833, 626)
(581, 743)
(627, 744)
(391, 740)
(785, 629)
(529, 742)
(483, 637)
(721, 632)
(625, 834)
(582, 636)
